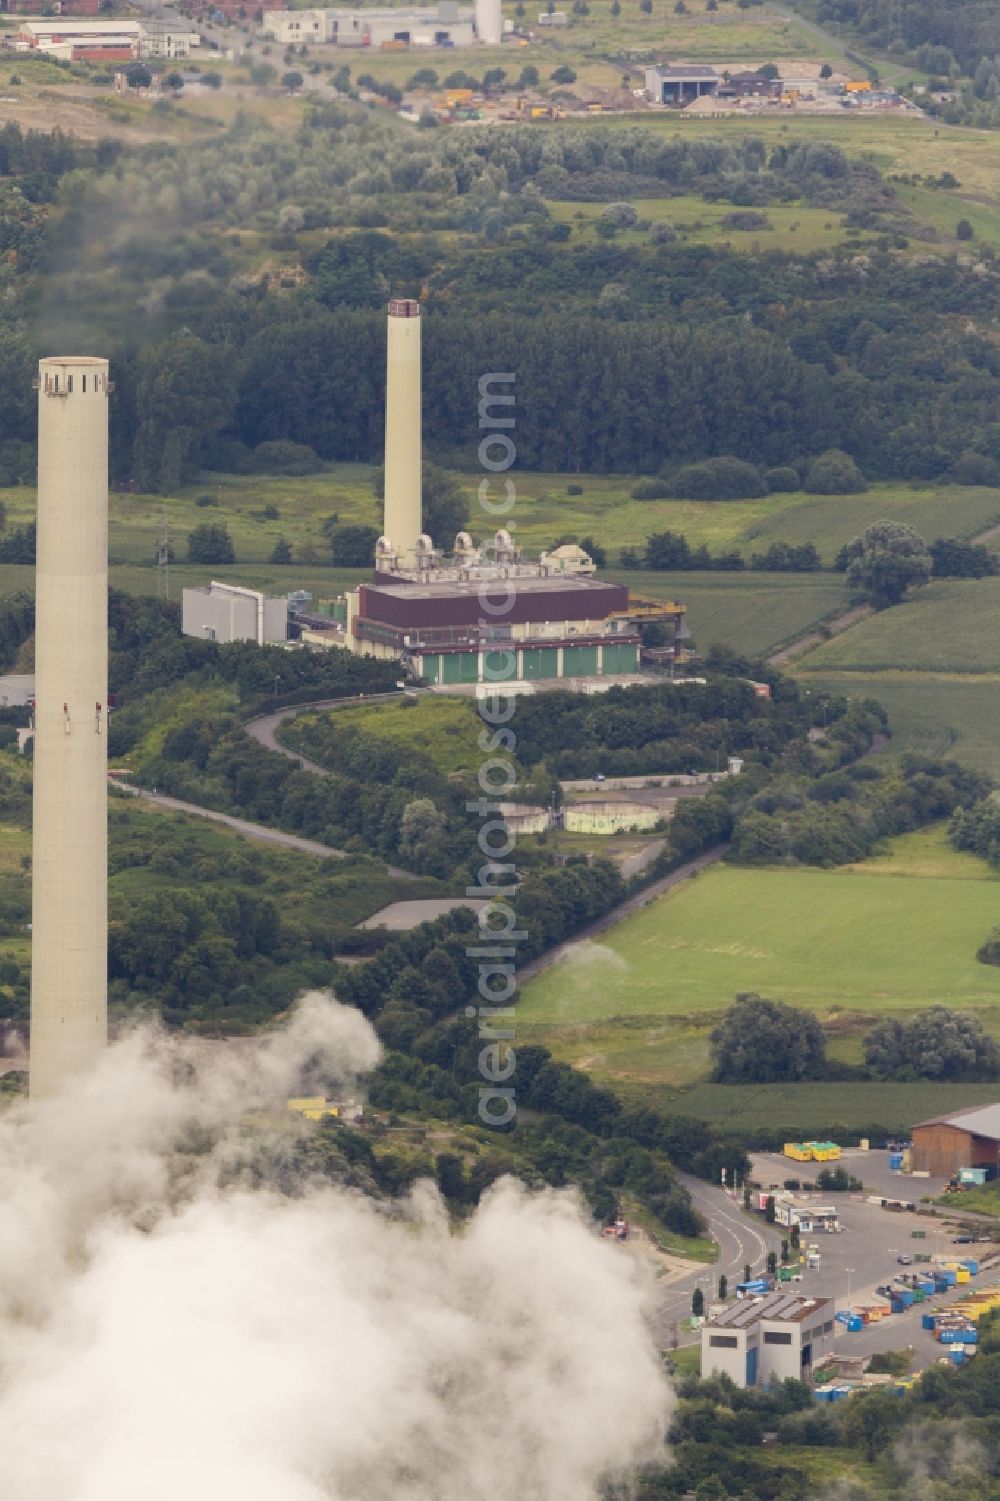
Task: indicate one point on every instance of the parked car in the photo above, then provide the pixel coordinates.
(904, 1260)
(962, 1240)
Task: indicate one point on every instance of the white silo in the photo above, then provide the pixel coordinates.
(69, 939)
(403, 474)
(489, 22)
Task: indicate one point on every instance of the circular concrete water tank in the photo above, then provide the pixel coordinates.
(609, 816)
(525, 818)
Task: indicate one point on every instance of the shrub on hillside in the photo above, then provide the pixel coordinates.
(972, 468)
(651, 489)
(761, 1042)
(938, 1043)
(280, 456)
(723, 478)
(834, 473)
(210, 543)
(953, 559)
(353, 546)
(783, 480)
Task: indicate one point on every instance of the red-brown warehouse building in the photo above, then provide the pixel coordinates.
(966, 1138)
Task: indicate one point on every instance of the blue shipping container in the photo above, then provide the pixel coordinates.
(957, 1354)
(928, 1320)
(972, 1265)
(895, 1161)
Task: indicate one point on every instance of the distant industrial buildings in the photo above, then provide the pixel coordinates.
(968, 1138)
(767, 1340)
(679, 85)
(110, 39)
(447, 24)
(228, 612)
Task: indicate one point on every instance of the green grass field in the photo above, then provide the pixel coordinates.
(792, 227)
(830, 521)
(544, 511)
(895, 934)
(816, 1109)
(757, 612)
(930, 713)
(951, 626)
(445, 729)
(830, 940)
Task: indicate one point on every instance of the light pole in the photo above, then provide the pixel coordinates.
(850, 1272)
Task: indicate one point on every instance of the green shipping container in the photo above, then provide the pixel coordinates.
(431, 668)
(580, 662)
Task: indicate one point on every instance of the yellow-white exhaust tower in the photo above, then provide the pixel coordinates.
(403, 512)
(69, 938)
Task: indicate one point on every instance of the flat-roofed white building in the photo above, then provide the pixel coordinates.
(762, 1341)
(447, 24)
(228, 612)
(73, 36)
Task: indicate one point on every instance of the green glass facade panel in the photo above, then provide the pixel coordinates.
(460, 667)
(541, 663)
(621, 657)
(579, 661)
(500, 666)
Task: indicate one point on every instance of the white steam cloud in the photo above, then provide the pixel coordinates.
(168, 1332)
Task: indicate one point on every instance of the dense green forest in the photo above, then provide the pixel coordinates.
(967, 29)
(636, 353)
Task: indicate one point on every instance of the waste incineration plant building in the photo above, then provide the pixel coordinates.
(481, 614)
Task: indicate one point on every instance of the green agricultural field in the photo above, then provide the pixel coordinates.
(829, 940)
(796, 227)
(894, 143)
(817, 1109)
(932, 714)
(951, 626)
(943, 209)
(896, 934)
(828, 521)
(757, 612)
(258, 510)
(445, 729)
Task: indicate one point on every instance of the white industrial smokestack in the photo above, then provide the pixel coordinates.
(69, 984)
(489, 22)
(403, 511)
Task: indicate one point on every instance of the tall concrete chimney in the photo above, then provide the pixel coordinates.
(403, 513)
(69, 936)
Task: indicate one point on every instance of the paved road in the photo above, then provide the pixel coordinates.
(853, 1263)
(257, 831)
(263, 728)
(741, 1238)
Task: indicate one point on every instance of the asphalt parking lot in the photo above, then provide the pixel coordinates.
(865, 1254)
